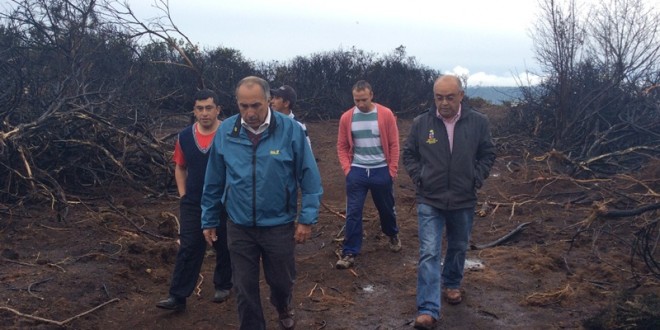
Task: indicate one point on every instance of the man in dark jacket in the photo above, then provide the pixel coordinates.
(448, 155)
(190, 158)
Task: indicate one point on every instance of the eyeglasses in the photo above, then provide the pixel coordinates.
(448, 98)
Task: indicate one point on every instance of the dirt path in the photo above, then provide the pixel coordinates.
(56, 270)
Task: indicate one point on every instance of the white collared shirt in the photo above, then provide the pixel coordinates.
(261, 128)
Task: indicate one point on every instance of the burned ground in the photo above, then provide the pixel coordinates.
(565, 269)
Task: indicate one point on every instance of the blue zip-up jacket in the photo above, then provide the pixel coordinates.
(258, 185)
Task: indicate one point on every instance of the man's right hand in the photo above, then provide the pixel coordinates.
(210, 236)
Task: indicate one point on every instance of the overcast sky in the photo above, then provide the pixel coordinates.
(489, 40)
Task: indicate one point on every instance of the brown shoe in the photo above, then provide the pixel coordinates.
(453, 296)
(425, 322)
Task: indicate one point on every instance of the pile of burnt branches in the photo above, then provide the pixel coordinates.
(77, 107)
(604, 135)
(75, 145)
(620, 209)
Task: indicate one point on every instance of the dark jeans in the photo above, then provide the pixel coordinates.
(358, 182)
(192, 250)
(274, 247)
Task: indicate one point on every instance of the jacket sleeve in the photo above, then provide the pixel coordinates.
(393, 137)
(214, 184)
(309, 179)
(411, 158)
(485, 154)
(343, 143)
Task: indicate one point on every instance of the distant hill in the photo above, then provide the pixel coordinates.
(493, 94)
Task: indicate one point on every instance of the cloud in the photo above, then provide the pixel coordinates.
(459, 71)
(485, 79)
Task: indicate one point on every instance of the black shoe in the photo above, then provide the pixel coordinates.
(221, 295)
(286, 320)
(173, 304)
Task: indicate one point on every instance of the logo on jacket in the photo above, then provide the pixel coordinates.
(431, 139)
(275, 152)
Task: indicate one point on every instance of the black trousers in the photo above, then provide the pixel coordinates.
(275, 248)
(191, 253)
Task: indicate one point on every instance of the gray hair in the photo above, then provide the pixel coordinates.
(251, 80)
(458, 80)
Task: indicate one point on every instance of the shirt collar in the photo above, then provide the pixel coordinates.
(375, 109)
(261, 127)
(453, 119)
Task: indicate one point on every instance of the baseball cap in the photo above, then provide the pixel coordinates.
(287, 93)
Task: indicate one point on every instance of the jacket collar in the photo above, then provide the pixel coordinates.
(237, 124)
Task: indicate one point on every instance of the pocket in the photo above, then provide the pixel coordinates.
(420, 178)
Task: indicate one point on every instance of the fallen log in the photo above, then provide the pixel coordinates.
(501, 239)
(605, 213)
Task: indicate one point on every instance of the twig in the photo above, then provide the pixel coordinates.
(198, 287)
(313, 289)
(585, 164)
(29, 289)
(135, 225)
(105, 288)
(340, 231)
(501, 239)
(18, 262)
(568, 269)
(333, 211)
(53, 228)
(59, 323)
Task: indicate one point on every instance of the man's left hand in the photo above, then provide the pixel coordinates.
(303, 232)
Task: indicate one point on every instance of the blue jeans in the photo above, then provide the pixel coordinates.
(430, 271)
(358, 182)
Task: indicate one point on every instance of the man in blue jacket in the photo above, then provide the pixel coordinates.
(258, 160)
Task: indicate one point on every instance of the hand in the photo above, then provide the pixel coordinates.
(303, 232)
(210, 236)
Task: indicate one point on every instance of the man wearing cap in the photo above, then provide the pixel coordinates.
(283, 100)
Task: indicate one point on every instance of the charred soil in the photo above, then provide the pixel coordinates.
(116, 251)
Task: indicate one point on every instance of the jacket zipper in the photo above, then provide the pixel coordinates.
(254, 185)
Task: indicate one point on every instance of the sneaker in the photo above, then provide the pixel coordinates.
(345, 262)
(395, 243)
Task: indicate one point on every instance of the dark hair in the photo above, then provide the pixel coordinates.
(205, 94)
(362, 84)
